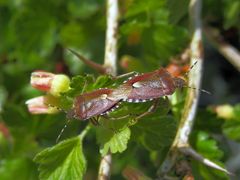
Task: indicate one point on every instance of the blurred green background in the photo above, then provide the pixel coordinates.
(35, 35)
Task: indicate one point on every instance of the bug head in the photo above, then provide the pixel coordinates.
(179, 82)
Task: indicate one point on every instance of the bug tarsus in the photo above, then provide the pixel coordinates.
(150, 110)
(95, 121)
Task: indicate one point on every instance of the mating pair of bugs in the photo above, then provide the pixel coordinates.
(138, 88)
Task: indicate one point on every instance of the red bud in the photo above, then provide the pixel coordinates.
(49, 82)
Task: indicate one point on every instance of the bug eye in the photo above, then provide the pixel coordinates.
(179, 83)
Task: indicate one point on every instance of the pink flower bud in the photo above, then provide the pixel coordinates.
(39, 105)
(49, 82)
(41, 80)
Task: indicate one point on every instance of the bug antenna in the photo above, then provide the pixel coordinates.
(63, 129)
(202, 90)
(190, 69)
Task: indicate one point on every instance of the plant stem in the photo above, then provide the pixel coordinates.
(180, 144)
(105, 167)
(110, 59)
(228, 51)
(110, 63)
(196, 49)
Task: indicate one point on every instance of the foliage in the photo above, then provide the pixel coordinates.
(37, 34)
(65, 160)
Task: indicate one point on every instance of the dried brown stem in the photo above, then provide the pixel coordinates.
(228, 51)
(110, 64)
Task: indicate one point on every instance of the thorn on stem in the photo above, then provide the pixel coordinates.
(90, 63)
(191, 152)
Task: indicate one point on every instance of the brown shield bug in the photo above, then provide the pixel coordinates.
(152, 85)
(95, 103)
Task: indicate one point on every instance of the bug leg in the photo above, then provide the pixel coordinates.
(118, 118)
(94, 121)
(150, 110)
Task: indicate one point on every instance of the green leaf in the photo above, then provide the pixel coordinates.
(18, 168)
(83, 9)
(113, 141)
(102, 81)
(163, 41)
(155, 132)
(63, 161)
(236, 112)
(207, 146)
(142, 6)
(73, 35)
(177, 9)
(231, 13)
(36, 35)
(231, 129)
(79, 85)
(213, 123)
(3, 97)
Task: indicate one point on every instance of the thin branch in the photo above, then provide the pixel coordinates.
(195, 75)
(110, 63)
(228, 51)
(105, 167)
(190, 107)
(110, 59)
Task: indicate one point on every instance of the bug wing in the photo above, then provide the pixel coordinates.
(94, 103)
(151, 85)
(100, 106)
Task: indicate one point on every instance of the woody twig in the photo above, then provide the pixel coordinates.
(227, 50)
(110, 64)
